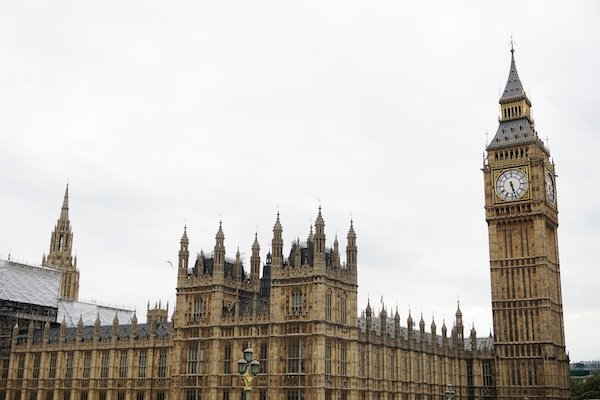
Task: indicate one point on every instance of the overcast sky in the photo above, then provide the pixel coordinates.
(161, 114)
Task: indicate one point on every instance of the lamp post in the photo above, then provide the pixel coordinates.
(248, 368)
(449, 393)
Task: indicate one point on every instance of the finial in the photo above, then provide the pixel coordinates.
(512, 44)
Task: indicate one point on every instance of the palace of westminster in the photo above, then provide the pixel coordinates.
(299, 313)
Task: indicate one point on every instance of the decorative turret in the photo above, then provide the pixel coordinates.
(433, 330)
(184, 254)
(97, 325)
(473, 338)
(60, 255)
(458, 324)
(255, 260)
(351, 248)
(422, 327)
(277, 244)
(397, 324)
(30, 331)
(134, 323)
(410, 323)
(115, 326)
(319, 239)
(219, 253)
(46, 331)
(62, 332)
(336, 254)
(369, 316)
(444, 331)
(383, 321)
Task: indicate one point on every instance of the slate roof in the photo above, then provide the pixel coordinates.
(514, 88)
(163, 331)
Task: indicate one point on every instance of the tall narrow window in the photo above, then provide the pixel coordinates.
(123, 365)
(264, 357)
(192, 359)
(200, 360)
(343, 308)
(104, 365)
(87, 363)
(52, 366)
(377, 364)
(227, 359)
(197, 309)
(142, 364)
(20, 366)
(328, 357)
(362, 361)
(328, 297)
(36, 365)
(295, 356)
(69, 366)
(162, 363)
(297, 300)
(343, 360)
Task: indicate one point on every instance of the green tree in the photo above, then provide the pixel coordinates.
(588, 389)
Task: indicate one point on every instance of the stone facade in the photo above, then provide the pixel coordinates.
(301, 317)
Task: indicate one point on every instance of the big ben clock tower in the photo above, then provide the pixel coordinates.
(522, 215)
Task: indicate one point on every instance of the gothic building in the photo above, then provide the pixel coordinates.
(298, 310)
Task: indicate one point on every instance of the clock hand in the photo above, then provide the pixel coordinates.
(512, 187)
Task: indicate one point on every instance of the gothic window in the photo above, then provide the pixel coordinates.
(123, 364)
(161, 395)
(200, 360)
(83, 395)
(264, 357)
(20, 366)
(362, 361)
(343, 305)
(101, 395)
(192, 359)
(343, 360)
(36, 366)
(297, 300)
(87, 363)
(142, 364)
(198, 307)
(328, 357)
(69, 366)
(162, 363)
(104, 365)
(295, 356)
(378, 364)
(487, 373)
(227, 359)
(192, 394)
(295, 394)
(52, 367)
(139, 395)
(121, 395)
(328, 296)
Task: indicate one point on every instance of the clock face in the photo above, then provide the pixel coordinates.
(550, 192)
(511, 185)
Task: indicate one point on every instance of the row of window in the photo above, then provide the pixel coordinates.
(85, 395)
(102, 370)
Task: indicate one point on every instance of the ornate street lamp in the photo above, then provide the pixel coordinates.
(449, 393)
(248, 368)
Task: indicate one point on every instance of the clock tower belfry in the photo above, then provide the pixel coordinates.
(522, 216)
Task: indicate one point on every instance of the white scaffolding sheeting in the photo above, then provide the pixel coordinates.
(71, 311)
(29, 284)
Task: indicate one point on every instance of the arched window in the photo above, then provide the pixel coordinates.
(343, 300)
(297, 300)
(328, 305)
(198, 309)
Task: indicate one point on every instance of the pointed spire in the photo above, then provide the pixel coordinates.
(514, 88)
(64, 212)
(184, 237)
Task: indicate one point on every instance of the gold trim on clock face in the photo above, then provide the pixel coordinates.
(550, 188)
(511, 185)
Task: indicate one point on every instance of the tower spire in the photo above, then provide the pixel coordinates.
(64, 212)
(60, 256)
